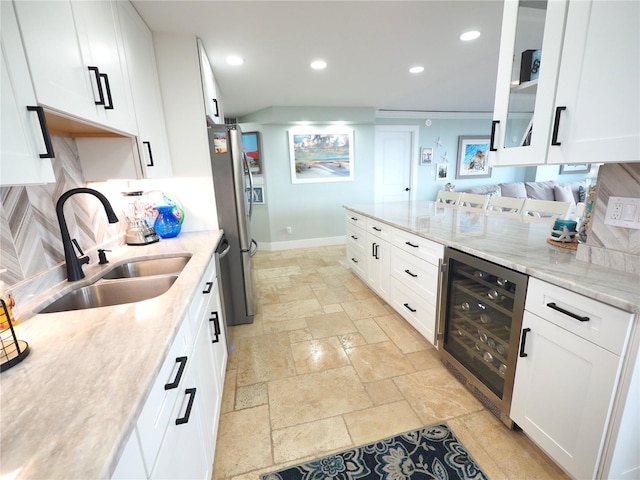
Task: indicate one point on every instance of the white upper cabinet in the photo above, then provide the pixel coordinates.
(64, 83)
(526, 99)
(598, 97)
(143, 76)
(567, 84)
(25, 145)
(212, 103)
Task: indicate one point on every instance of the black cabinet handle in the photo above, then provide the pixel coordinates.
(354, 219)
(407, 189)
(408, 272)
(406, 305)
(96, 72)
(553, 306)
(108, 106)
(354, 237)
(45, 131)
(216, 326)
(354, 260)
(524, 340)
(411, 244)
(148, 144)
(192, 396)
(493, 136)
(556, 126)
(207, 290)
(183, 363)
(377, 229)
(215, 102)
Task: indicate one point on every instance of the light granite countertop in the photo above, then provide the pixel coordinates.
(511, 242)
(69, 407)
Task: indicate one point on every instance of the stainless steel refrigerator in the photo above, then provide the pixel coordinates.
(233, 185)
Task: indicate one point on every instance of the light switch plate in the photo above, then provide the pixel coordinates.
(623, 212)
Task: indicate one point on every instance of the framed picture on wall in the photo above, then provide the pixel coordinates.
(442, 171)
(575, 168)
(319, 155)
(472, 159)
(251, 145)
(426, 155)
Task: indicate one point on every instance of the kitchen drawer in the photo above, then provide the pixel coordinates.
(379, 229)
(357, 261)
(203, 295)
(606, 326)
(420, 313)
(422, 248)
(356, 219)
(156, 412)
(418, 275)
(356, 237)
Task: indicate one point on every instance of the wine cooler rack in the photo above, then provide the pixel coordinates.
(480, 322)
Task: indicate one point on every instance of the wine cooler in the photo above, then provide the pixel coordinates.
(479, 329)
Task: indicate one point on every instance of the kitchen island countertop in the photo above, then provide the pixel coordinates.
(69, 407)
(511, 242)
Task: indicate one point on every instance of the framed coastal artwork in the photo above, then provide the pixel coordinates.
(472, 157)
(251, 145)
(575, 168)
(426, 155)
(319, 155)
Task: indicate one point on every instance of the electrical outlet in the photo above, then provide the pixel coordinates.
(623, 212)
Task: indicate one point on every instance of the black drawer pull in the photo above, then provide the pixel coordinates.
(108, 106)
(494, 123)
(406, 305)
(408, 272)
(567, 312)
(207, 290)
(216, 326)
(377, 229)
(354, 219)
(411, 244)
(96, 72)
(192, 396)
(148, 144)
(354, 237)
(46, 136)
(183, 363)
(524, 340)
(354, 260)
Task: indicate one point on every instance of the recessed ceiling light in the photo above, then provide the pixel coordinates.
(471, 35)
(235, 60)
(318, 64)
(416, 69)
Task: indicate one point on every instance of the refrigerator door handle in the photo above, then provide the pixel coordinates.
(248, 170)
(252, 250)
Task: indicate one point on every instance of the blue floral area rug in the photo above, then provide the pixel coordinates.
(431, 452)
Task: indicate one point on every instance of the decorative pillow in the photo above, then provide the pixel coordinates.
(582, 193)
(563, 193)
(541, 190)
(513, 189)
(491, 190)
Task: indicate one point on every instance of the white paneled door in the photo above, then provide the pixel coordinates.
(395, 157)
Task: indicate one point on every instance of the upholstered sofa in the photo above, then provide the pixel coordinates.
(550, 190)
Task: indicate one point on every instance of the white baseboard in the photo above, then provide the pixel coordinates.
(305, 243)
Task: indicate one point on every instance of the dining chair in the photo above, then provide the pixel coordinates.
(510, 205)
(545, 210)
(474, 200)
(446, 197)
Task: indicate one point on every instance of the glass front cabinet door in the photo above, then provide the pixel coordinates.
(530, 51)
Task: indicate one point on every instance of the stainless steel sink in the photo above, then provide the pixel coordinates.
(145, 268)
(116, 292)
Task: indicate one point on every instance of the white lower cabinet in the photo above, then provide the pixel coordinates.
(356, 244)
(378, 266)
(571, 353)
(175, 433)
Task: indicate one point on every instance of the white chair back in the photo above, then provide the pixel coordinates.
(545, 210)
(448, 198)
(510, 205)
(474, 200)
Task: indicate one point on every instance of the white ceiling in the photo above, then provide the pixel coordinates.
(368, 45)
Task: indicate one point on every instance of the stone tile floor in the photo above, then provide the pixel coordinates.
(327, 365)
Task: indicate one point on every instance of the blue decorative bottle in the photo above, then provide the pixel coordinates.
(167, 225)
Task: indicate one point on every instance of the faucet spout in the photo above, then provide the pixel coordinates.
(73, 263)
